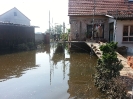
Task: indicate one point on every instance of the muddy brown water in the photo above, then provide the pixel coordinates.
(43, 74)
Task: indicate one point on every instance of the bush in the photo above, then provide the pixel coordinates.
(64, 36)
(25, 47)
(107, 69)
(117, 89)
(22, 47)
(31, 45)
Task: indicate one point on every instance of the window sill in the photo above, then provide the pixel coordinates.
(127, 42)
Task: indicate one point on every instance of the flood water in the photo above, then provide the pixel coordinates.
(43, 74)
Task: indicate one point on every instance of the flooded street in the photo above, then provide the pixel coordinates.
(43, 74)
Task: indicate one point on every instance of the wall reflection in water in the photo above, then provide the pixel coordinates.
(58, 56)
(44, 48)
(81, 70)
(14, 65)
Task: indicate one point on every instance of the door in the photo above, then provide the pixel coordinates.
(89, 31)
(98, 31)
(111, 31)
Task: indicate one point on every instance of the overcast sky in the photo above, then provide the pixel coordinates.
(38, 11)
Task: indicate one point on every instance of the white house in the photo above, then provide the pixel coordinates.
(122, 32)
(14, 16)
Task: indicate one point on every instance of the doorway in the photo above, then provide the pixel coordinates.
(111, 31)
(98, 31)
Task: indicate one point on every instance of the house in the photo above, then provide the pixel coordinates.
(15, 29)
(14, 16)
(111, 20)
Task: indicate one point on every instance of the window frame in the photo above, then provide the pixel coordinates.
(128, 37)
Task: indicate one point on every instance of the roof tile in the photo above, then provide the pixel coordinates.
(102, 7)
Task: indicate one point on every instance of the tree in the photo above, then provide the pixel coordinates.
(58, 29)
(68, 30)
(107, 69)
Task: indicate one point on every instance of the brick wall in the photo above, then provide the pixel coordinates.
(79, 25)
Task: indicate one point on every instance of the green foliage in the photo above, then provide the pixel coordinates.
(109, 47)
(64, 36)
(30, 45)
(107, 69)
(68, 30)
(58, 29)
(24, 46)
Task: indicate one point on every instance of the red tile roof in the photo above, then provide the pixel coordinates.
(102, 7)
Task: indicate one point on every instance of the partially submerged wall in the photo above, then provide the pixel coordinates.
(78, 26)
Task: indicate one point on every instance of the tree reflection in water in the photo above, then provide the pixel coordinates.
(81, 69)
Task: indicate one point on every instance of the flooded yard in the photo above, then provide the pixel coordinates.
(43, 74)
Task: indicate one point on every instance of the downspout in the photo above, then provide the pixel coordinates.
(114, 36)
(80, 30)
(93, 20)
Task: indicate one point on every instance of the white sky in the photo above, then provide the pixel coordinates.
(38, 11)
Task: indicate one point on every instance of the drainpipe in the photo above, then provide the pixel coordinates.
(93, 20)
(114, 36)
(80, 31)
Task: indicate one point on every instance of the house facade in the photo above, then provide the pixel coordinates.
(14, 16)
(111, 20)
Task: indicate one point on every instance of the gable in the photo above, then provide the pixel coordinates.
(14, 16)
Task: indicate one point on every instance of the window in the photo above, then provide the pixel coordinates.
(15, 13)
(130, 1)
(98, 30)
(128, 33)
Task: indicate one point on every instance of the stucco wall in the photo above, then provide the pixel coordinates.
(19, 19)
(119, 34)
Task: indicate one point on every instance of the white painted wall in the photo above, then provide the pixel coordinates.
(111, 20)
(119, 34)
(19, 19)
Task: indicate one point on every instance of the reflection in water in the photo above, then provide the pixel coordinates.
(81, 85)
(14, 65)
(58, 76)
(58, 56)
(44, 48)
(81, 69)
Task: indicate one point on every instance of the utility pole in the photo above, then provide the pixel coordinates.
(52, 27)
(93, 19)
(49, 21)
(63, 27)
